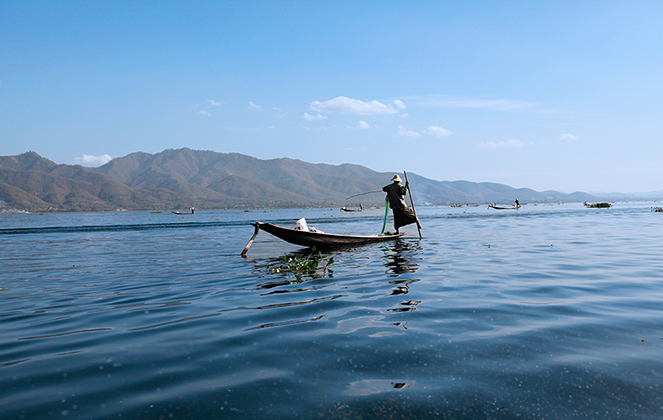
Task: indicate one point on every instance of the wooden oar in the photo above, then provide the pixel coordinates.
(246, 249)
(412, 202)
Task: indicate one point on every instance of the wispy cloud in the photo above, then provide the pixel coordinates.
(404, 132)
(310, 117)
(504, 144)
(363, 125)
(399, 104)
(214, 103)
(568, 137)
(279, 112)
(437, 131)
(205, 113)
(92, 161)
(432, 130)
(446, 101)
(252, 105)
(345, 105)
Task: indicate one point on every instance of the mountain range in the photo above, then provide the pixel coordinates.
(183, 178)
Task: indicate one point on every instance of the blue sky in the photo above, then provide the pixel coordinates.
(563, 95)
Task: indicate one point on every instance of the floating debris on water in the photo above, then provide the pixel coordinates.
(597, 205)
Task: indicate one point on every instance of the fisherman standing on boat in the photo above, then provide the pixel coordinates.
(403, 215)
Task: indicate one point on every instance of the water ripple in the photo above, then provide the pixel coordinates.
(553, 312)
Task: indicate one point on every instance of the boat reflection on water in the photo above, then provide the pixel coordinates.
(400, 257)
(282, 287)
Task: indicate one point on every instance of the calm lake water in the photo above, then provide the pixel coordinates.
(548, 312)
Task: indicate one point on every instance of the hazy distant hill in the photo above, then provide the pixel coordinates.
(225, 176)
(30, 182)
(205, 179)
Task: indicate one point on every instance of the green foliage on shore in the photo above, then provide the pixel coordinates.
(657, 209)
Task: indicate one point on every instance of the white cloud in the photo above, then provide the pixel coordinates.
(504, 144)
(404, 116)
(310, 117)
(213, 102)
(399, 104)
(487, 104)
(254, 106)
(279, 112)
(205, 113)
(363, 125)
(404, 132)
(344, 105)
(437, 131)
(92, 161)
(567, 137)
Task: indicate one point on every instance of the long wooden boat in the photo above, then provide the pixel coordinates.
(503, 208)
(319, 239)
(191, 210)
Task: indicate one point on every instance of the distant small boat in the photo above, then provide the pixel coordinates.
(191, 210)
(503, 208)
(317, 239)
(360, 208)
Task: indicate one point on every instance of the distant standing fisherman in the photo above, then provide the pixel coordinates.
(403, 215)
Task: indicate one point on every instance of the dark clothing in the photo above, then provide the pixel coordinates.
(403, 215)
(396, 193)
